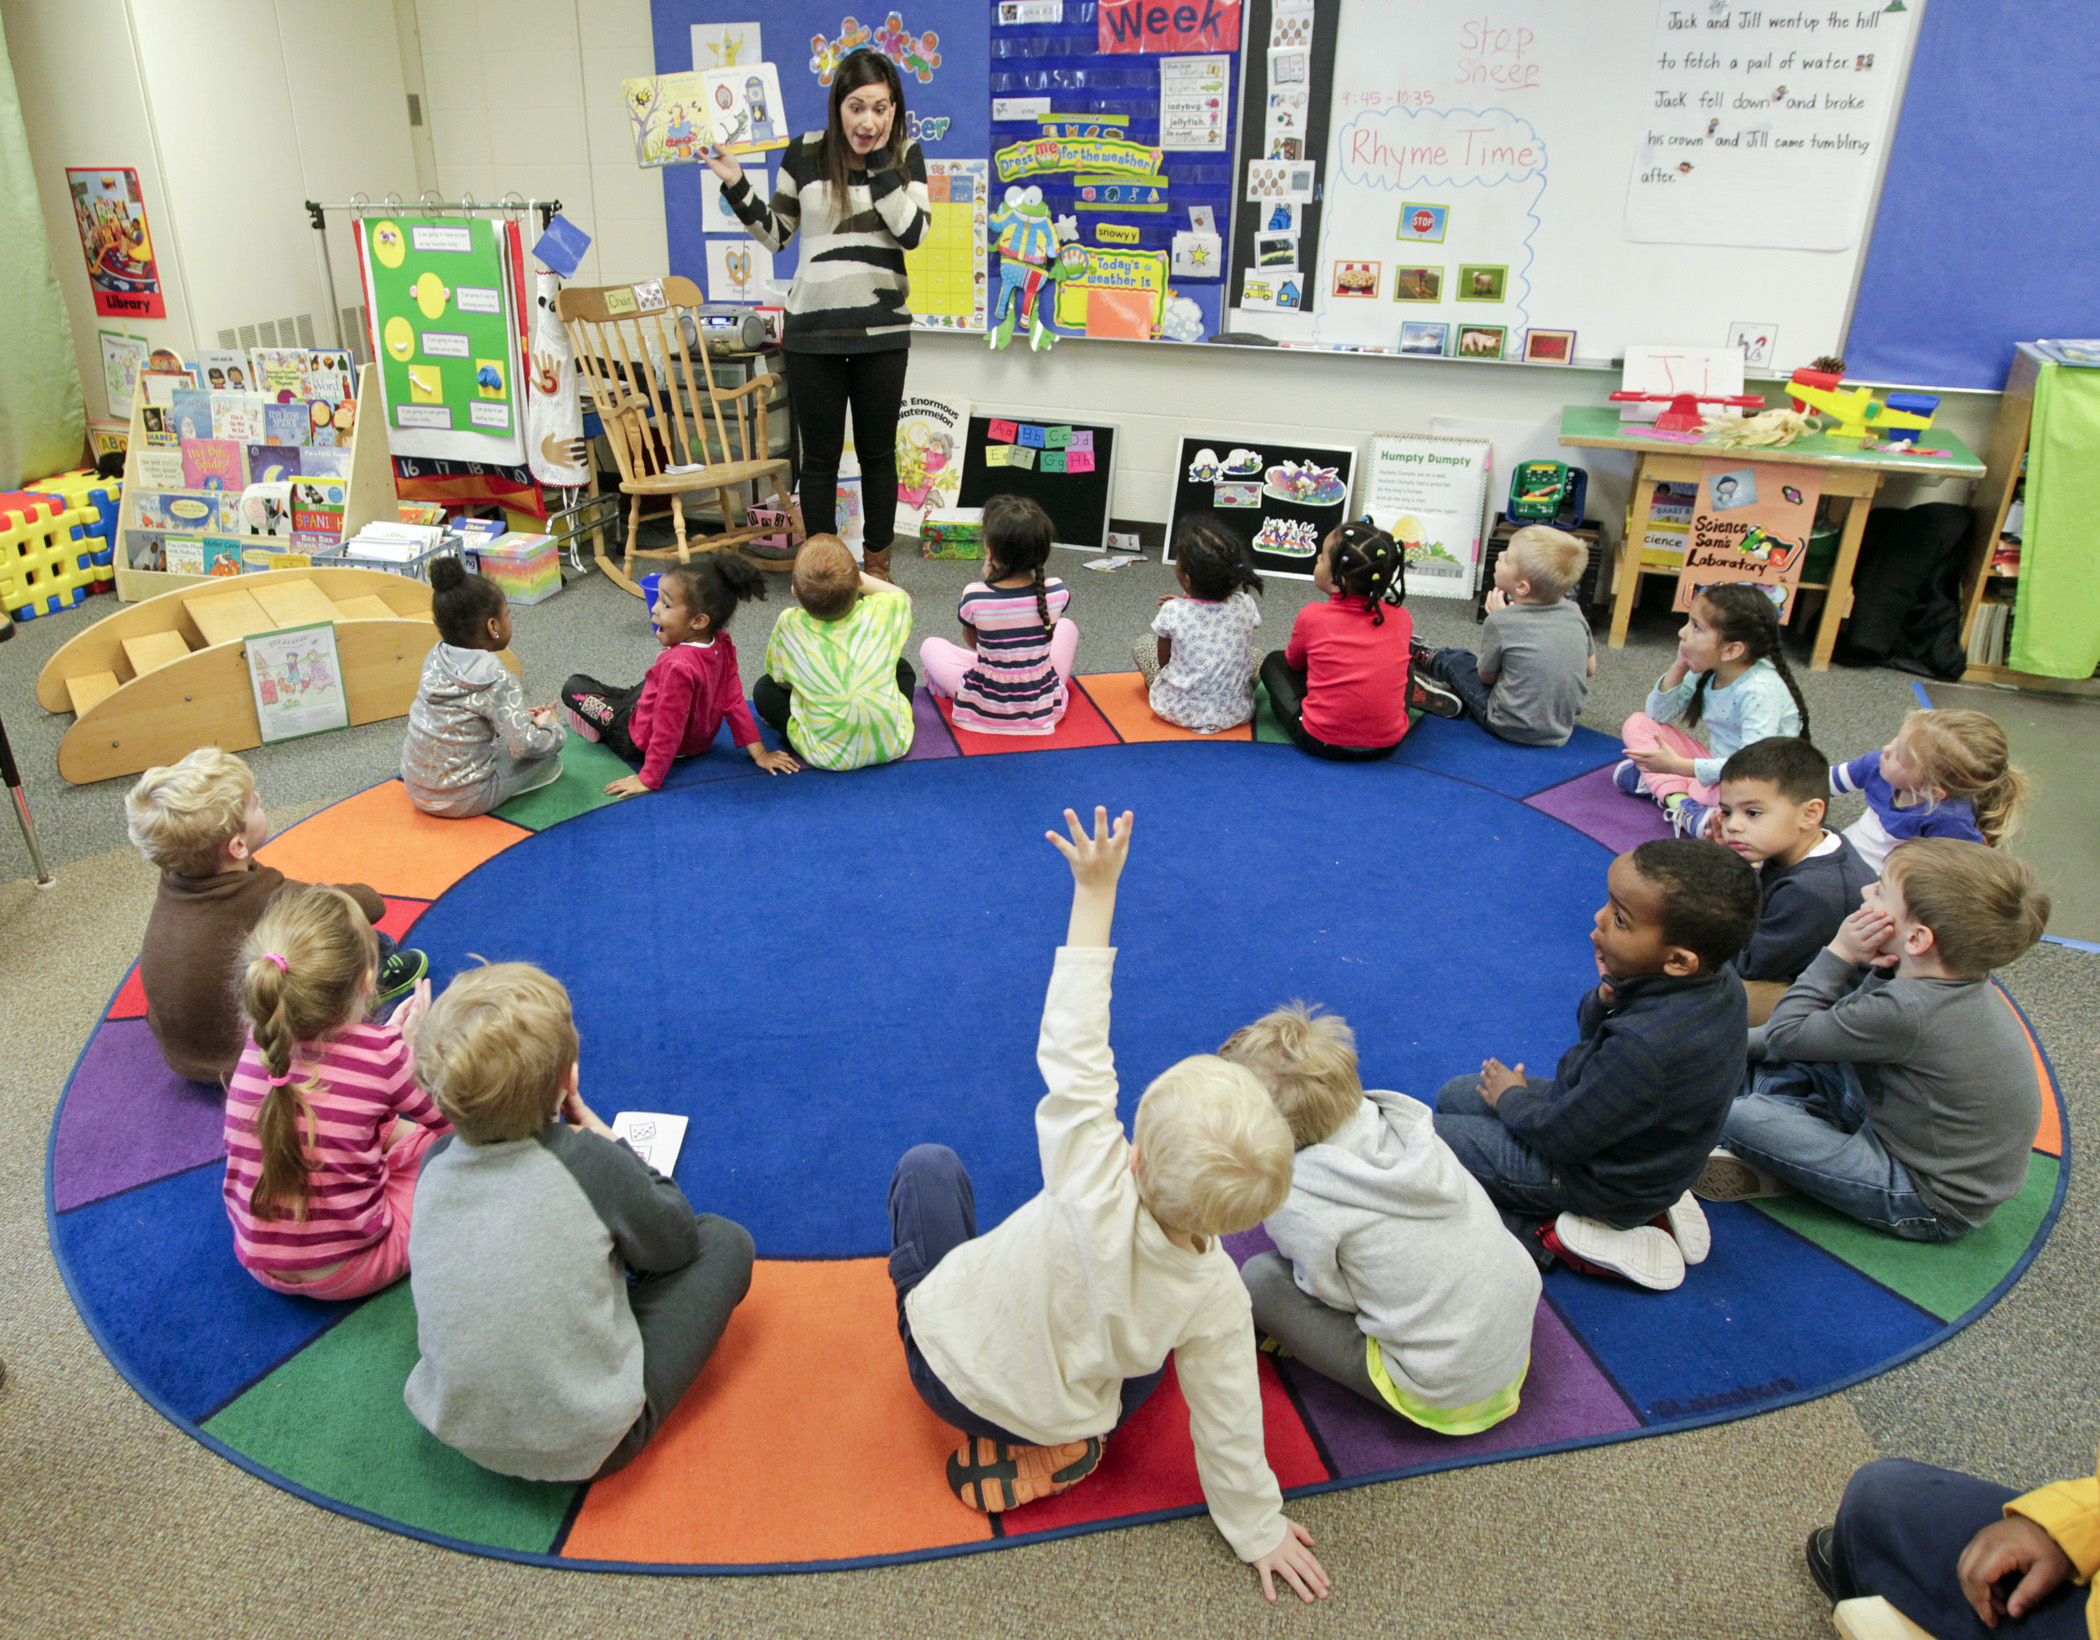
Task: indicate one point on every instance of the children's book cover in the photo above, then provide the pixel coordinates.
(181, 555)
(146, 549)
(212, 464)
(285, 423)
(237, 416)
(224, 370)
(328, 375)
(324, 463)
(222, 555)
(189, 408)
(183, 514)
(282, 371)
(320, 422)
(666, 118)
(158, 422)
(743, 108)
(158, 467)
(272, 463)
(297, 681)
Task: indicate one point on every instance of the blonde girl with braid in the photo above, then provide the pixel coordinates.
(1013, 677)
(325, 1124)
(1948, 773)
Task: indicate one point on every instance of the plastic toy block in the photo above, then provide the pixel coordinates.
(46, 561)
(86, 691)
(154, 650)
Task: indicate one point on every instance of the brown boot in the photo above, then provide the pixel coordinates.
(877, 564)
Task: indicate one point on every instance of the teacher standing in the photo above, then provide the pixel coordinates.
(857, 192)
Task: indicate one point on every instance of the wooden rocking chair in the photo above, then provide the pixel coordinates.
(672, 430)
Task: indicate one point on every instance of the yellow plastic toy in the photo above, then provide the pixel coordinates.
(1899, 418)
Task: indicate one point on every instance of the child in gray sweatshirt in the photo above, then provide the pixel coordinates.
(1395, 1275)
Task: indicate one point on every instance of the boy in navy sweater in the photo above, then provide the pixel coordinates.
(1773, 797)
(1607, 1150)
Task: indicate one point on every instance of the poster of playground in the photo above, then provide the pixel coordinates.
(298, 682)
(113, 237)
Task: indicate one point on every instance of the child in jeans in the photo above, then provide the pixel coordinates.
(1536, 659)
(1041, 1337)
(1770, 811)
(677, 710)
(567, 1295)
(1894, 1085)
(1010, 677)
(1198, 656)
(1393, 1276)
(201, 821)
(837, 684)
(1612, 1144)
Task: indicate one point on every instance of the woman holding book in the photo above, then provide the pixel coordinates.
(856, 192)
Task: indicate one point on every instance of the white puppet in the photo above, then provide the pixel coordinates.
(554, 447)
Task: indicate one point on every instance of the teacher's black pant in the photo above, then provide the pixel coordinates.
(820, 387)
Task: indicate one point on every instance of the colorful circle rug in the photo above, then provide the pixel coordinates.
(824, 970)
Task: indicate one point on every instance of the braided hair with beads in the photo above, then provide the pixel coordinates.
(1367, 563)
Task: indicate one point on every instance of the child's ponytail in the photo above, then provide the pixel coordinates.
(304, 973)
(1017, 537)
(1964, 754)
(1743, 614)
(715, 584)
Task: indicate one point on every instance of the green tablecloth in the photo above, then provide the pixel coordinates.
(2056, 618)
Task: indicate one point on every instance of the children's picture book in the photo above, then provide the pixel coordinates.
(674, 118)
(183, 514)
(931, 433)
(214, 555)
(320, 422)
(158, 467)
(285, 423)
(223, 370)
(161, 386)
(330, 375)
(654, 1137)
(264, 508)
(324, 463)
(237, 416)
(744, 108)
(190, 410)
(157, 423)
(282, 371)
(273, 463)
(180, 555)
(298, 681)
(212, 464)
(146, 549)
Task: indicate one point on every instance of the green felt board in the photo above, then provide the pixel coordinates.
(1946, 1278)
(488, 334)
(587, 768)
(332, 1419)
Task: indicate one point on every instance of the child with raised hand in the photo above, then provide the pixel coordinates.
(567, 1295)
(1893, 1085)
(1537, 657)
(1598, 1163)
(200, 822)
(678, 708)
(1948, 773)
(1012, 677)
(1340, 687)
(1730, 676)
(1198, 657)
(836, 683)
(1770, 812)
(473, 744)
(325, 1125)
(1393, 1273)
(1039, 1339)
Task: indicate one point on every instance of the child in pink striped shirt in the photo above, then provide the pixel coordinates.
(325, 1125)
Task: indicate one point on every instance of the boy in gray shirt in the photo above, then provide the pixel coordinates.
(566, 1294)
(1532, 674)
(1896, 1086)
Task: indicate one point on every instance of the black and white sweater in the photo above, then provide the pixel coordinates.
(852, 293)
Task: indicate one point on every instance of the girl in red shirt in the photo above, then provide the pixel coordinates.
(1340, 687)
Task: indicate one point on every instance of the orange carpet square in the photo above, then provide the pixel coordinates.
(2049, 1138)
(803, 1440)
(1149, 1464)
(380, 838)
(1082, 725)
(1126, 702)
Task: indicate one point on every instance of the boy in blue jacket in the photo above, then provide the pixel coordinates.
(1608, 1149)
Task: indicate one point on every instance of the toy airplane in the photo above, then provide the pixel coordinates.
(1683, 415)
(1899, 419)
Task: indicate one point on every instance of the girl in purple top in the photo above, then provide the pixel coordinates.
(1011, 679)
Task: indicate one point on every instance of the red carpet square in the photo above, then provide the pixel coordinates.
(1082, 725)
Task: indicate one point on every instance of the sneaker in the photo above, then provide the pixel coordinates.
(1728, 1178)
(1427, 694)
(398, 976)
(1627, 777)
(577, 722)
(992, 1477)
(1818, 1556)
(1645, 1256)
(1688, 819)
(1686, 1222)
(1420, 657)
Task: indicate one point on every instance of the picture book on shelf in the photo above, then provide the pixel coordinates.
(224, 370)
(285, 423)
(146, 549)
(190, 410)
(268, 463)
(324, 463)
(212, 464)
(158, 467)
(282, 372)
(330, 375)
(202, 555)
(158, 425)
(237, 416)
(186, 514)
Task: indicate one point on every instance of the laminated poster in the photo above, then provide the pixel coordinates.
(1194, 103)
(111, 216)
(1750, 522)
(1430, 495)
(298, 682)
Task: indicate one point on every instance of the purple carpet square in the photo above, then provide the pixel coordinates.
(930, 736)
(1565, 1399)
(129, 1120)
(1598, 809)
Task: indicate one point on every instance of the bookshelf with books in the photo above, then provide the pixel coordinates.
(245, 504)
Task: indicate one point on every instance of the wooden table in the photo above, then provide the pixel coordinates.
(1847, 471)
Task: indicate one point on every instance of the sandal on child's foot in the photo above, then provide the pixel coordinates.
(992, 1477)
(1728, 1178)
(1644, 1255)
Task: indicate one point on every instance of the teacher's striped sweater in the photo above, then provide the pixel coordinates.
(851, 293)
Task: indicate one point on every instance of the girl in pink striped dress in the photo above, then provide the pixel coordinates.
(1012, 678)
(325, 1125)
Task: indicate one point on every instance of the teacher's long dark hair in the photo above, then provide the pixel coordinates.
(864, 67)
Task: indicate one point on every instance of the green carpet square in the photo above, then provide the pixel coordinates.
(1946, 1278)
(332, 1419)
(587, 768)
(1266, 728)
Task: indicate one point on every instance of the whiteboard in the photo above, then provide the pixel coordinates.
(1550, 161)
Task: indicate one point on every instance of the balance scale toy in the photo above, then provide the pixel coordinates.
(1683, 415)
(1900, 418)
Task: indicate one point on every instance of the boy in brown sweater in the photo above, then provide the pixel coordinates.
(201, 821)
